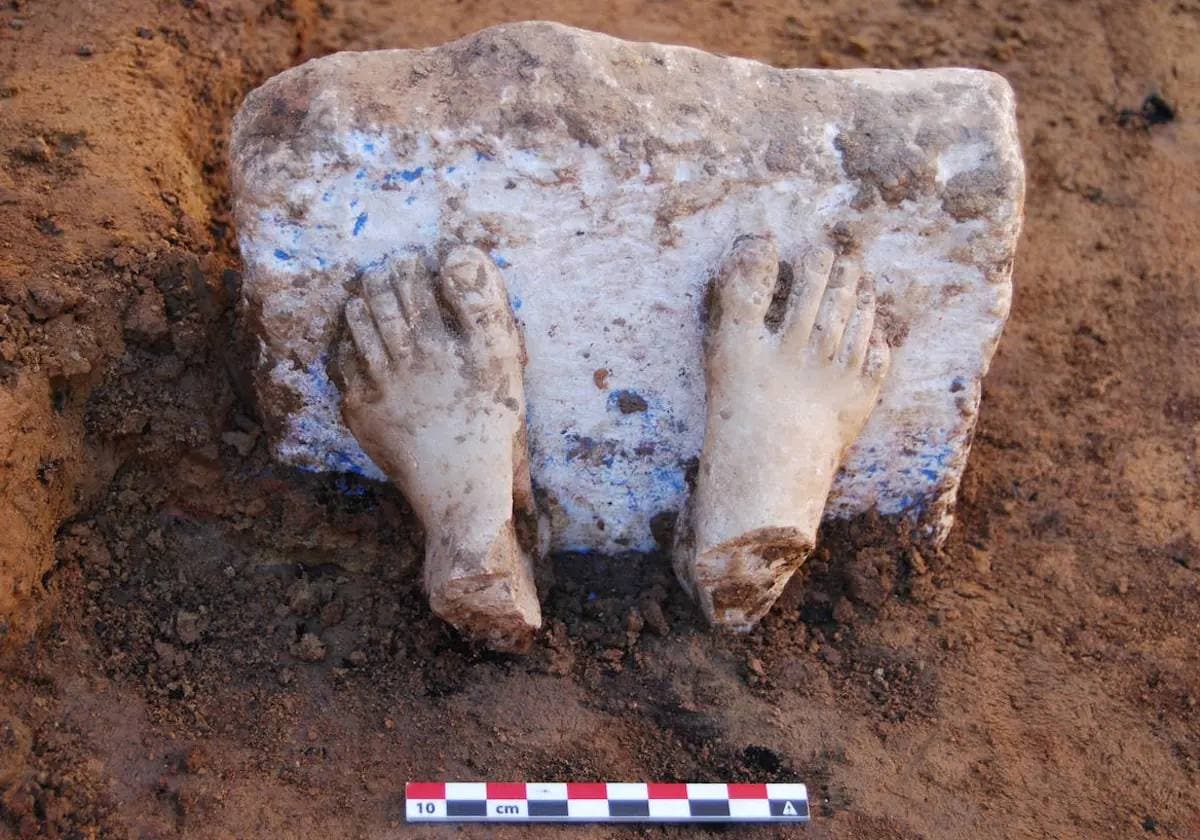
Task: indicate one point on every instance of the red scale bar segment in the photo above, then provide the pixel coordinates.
(742, 791)
(666, 790)
(505, 790)
(425, 790)
(587, 790)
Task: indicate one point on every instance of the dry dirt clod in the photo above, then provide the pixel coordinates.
(309, 648)
(917, 561)
(333, 613)
(843, 611)
(302, 598)
(633, 626)
(870, 577)
(755, 666)
(196, 760)
(146, 320)
(241, 442)
(187, 627)
(15, 743)
(47, 298)
(653, 617)
(34, 150)
(860, 45)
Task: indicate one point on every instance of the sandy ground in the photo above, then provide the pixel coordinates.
(197, 642)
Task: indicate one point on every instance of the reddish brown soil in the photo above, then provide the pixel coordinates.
(198, 642)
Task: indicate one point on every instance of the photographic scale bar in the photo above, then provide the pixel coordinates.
(595, 802)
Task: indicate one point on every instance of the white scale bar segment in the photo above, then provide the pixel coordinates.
(706, 791)
(466, 790)
(546, 791)
(787, 791)
(750, 809)
(588, 809)
(669, 809)
(626, 790)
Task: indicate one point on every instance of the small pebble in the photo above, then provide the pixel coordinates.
(240, 441)
(187, 627)
(35, 149)
(843, 611)
(653, 617)
(309, 648)
(756, 667)
(832, 656)
(634, 621)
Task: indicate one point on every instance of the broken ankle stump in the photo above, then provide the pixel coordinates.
(607, 182)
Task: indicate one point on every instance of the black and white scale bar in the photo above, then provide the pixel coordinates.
(605, 802)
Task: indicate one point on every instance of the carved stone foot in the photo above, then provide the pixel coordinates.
(435, 396)
(792, 375)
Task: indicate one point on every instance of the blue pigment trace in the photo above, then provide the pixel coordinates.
(360, 222)
(672, 478)
(375, 265)
(315, 432)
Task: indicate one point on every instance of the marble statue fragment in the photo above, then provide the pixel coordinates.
(575, 293)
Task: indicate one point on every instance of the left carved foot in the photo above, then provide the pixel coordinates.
(436, 398)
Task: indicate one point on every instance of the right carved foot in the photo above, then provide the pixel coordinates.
(786, 398)
(437, 400)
